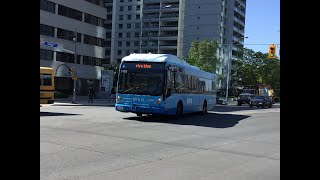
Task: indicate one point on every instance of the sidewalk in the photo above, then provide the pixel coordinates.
(82, 101)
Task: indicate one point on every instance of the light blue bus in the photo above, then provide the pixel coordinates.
(163, 84)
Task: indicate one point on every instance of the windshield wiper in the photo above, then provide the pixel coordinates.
(136, 87)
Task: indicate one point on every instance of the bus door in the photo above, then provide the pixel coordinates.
(170, 96)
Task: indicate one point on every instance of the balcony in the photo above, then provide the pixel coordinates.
(168, 47)
(239, 12)
(168, 28)
(238, 21)
(238, 30)
(171, 17)
(158, 1)
(240, 2)
(164, 37)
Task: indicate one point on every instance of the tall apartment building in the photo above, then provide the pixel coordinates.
(77, 26)
(169, 26)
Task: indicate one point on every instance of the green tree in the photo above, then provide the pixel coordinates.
(257, 68)
(203, 54)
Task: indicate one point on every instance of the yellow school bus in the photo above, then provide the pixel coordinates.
(46, 85)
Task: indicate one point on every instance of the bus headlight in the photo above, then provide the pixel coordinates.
(119, 100)
(158, 101)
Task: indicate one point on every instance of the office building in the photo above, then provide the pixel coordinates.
(77, 28)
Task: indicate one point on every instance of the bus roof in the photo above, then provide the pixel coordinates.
(154, 58)
(165, 58)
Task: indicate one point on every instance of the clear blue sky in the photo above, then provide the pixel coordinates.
(262, 24)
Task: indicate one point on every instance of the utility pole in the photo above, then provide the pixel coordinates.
(74, 76)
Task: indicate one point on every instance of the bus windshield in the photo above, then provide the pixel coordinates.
(142, 82)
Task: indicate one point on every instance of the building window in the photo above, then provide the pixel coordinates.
(119, 43)
(198, 17)
(129, 17)
(69, 12)
(93, 61)
(109, 26)
(109, 8)
(119, 61)
(129, 8)
(78, 59)
(121, 0)
(128, 34)
(136, 34)
(46, 30)
(47, 6)
(96, 2)
(67, 35)
(87, 60)
(65, 57)
(121, 8)
(108, 35)
(93, 40)
(109, 17)
(120, 26)
(120, 35)
(129, 0)
(136, 51)
(136, 43)
(120, 17)
(137, 25)
(46, 54)
(108, 44)
(137, 16)
(79, 37)
(128, 43)
(88, 18)
(128, 26)
(138, 7)
(119, 52)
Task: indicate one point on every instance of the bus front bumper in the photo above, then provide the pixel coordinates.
(140, 109)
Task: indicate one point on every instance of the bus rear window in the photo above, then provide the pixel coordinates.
(47, 80)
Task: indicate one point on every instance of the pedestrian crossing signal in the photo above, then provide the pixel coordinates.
(272, 51)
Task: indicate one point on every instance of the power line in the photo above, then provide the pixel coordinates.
(262, 44)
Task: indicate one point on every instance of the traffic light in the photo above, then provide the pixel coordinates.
(272, 51)
(73, 73)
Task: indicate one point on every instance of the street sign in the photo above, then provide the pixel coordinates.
(50, 44)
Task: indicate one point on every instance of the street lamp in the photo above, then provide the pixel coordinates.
(160, 8)
(229, 61)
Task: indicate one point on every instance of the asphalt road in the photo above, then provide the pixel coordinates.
(97, 142)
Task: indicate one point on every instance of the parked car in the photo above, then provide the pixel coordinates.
(261, 101)
(244, 98)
